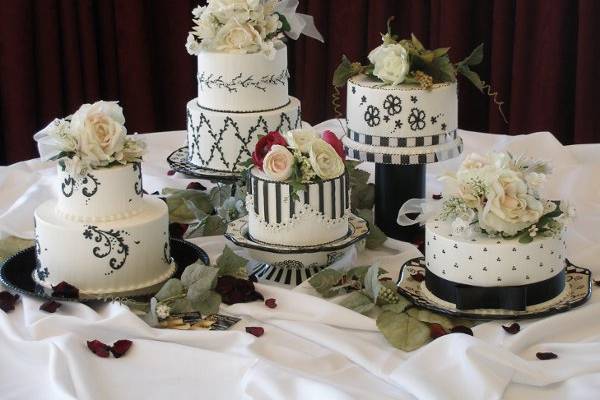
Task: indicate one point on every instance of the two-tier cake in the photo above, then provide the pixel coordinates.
(242, 81)
(101, 235)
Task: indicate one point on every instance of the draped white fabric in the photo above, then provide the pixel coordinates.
(312, 348)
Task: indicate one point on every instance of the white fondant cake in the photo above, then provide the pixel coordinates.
(221, 141)
(481, 260)
(240, 96)
(318, 216)
(95, 238)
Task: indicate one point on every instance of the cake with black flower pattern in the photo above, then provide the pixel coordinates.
(101, 235)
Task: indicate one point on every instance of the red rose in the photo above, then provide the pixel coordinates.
(336, 143)
(263, 146)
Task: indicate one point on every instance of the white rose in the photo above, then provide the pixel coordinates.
(99, 131)
(192, 46)
(278, 163)
(198, 10)
(301, 139)
(509, 208)
(325, 160)
(391, 63)
(236, 37)
(535, 181)
(474, 161)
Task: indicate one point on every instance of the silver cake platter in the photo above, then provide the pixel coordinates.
(577, 291)
(178, 160)
(291, 265)
(17, 274)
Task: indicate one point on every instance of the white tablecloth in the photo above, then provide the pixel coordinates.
(312, 348)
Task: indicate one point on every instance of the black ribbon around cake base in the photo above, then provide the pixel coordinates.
(518, 298)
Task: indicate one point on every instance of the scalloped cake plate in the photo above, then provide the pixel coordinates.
(178, 160)
(577, 291)
(291, 265)
(17, 274)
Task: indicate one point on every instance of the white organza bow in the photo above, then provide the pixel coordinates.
(299, 23)
(426, 209)
(47, 143)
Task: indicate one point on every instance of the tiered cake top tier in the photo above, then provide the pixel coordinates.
(255, 82)
(102, 194)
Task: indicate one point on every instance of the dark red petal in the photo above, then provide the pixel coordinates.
(195, 186)
(271, 303)
(436, 330)
(50, 306)
(597, 282)
(546, 356)
(7, 301)
(462, 329)
(98, 348)
(255, 330)
(437, 196)
(512, 328)
(65, 290)
(177, 230)
(419, 277)
(171, 172)
(120, 347)
(385, 278)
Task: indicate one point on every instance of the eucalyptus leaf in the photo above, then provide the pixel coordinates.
(196, 272)
(398, 307)
(372, 284)
(358, 273)
(416, 42)
(181, 306)
(475, 58)
(219, 194)
(430, 317)
(137, 306)
(324, 281)
(441, 51)
(209, 304)
(344, 71)
(473, 77)
(376, 237)
(201, 286)
(11, 245)
(173, 287)
(187, 205)
(402, 331)
(357, 301)
(231, 264)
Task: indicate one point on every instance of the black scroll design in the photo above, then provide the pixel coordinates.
(211, 81)
(88, 184)
(111, 243)
(137, 167)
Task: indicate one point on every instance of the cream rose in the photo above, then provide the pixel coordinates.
(278, 163)
(325, 160)
(99, 131)
(509, 208)
(236, 37)
(301, 139)
(391, 63)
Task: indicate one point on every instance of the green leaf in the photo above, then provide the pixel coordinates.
(525, 238)
(472, 76)
(285, 25)
(475, 58)
(231, 264)
(209, 305)
(441, 51)
(219, 194)
(430, 317)
(357, 301)
(180, 306)
(172, 288)
(206, 281)
(402, 331)
(442, 70)
(416, 42)
(196, 272)
(344, 71)
(398, 307)
(11, 245)
(376, 237)
(372, 284)
(137, 306)
(187, 205)
(358, 273)
(324, 281)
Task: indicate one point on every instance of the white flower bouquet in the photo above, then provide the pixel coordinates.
(94, 136)
(500, 195)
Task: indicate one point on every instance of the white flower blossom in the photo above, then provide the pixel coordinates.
(163, 311)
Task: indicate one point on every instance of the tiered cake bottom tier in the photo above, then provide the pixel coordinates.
(223, 140)
(104, 257)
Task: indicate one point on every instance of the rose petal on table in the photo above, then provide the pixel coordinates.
(271, 303)
(98, 348)
(512, 328)
(546, 355)
(436, 330)
(419, 277)
(171, 172)
(195, 186)
(7, 301)
(255, 330)
(50, 306)
(65, 290)
(462, 329)
(120, 347)
(437, 196)
(597, 282)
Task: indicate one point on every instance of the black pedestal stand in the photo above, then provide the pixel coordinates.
(394, 184)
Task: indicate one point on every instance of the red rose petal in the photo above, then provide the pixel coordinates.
(65, 290)
(437, 196)
(120, 347)
(98, 348)
(171, 172)
(50, 306)
(255, 330)
(263, 146)
(177, 230)
(512, 328)
(385, 278)
(546, 356)
(462, 329)
(271, 303)
(419, 277)
(7, 301)
(195, 186)
(335, 142)
(436, 330)
(597, 282)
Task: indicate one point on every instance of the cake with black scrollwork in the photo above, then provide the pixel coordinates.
(102, 235)
(242, 79)
(494, 242)
(298, 189)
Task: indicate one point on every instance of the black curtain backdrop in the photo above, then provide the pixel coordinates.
(540, 55)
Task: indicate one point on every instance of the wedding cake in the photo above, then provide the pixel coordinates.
(495, 242)
(242, 79)
(298, 189)
(101, 235)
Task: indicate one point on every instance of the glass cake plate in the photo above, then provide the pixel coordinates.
(17, 273)
(290, 265)
(577, 291)
(178, 160)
